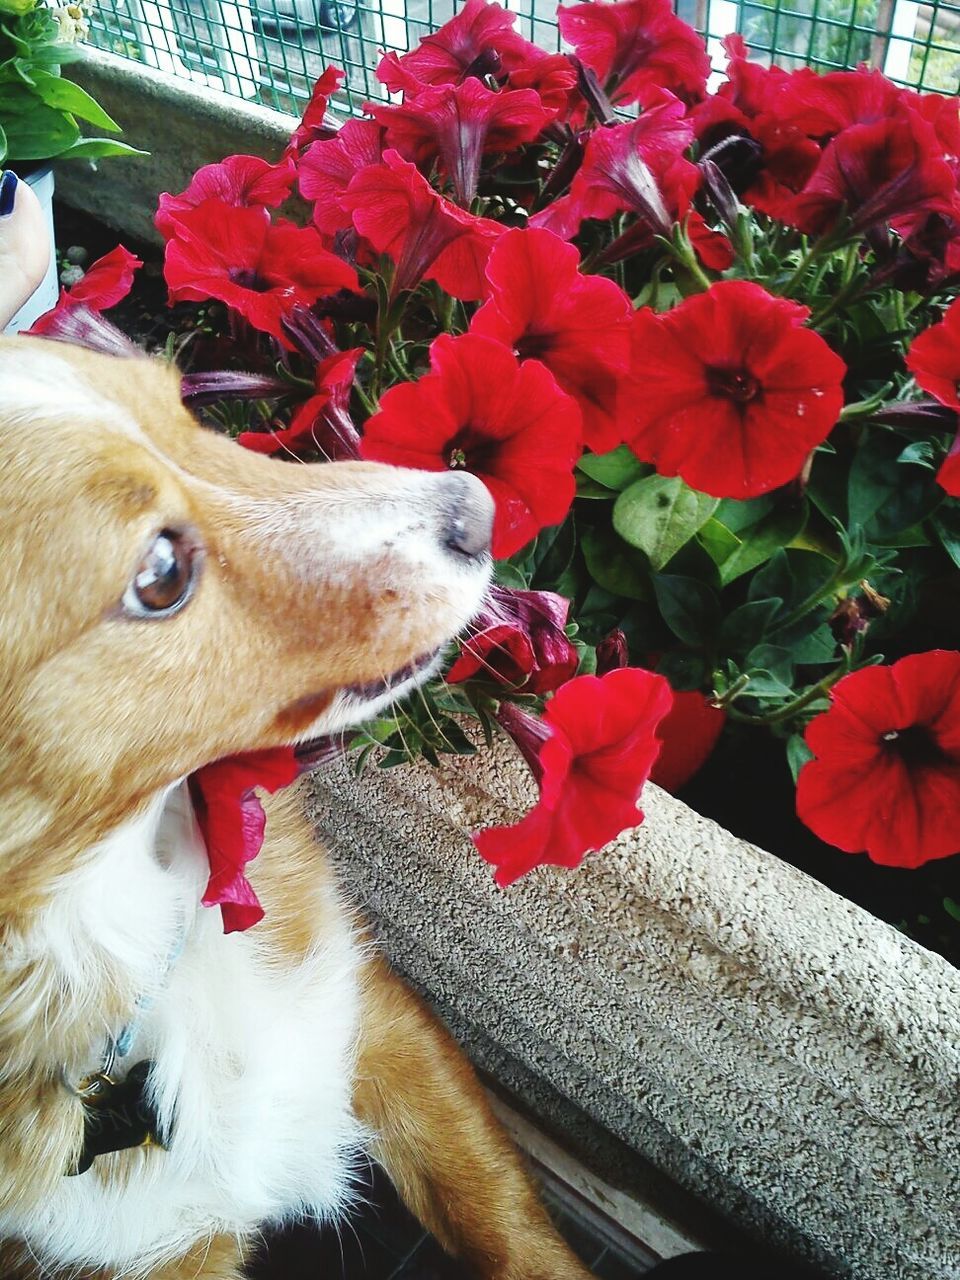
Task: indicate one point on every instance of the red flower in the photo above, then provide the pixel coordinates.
(749, 85)
(460, 123)
(327, 169)
(591, 754)
(934, 358)
(480, 409)
(873, 173)
(105, 283)
(689, 732)
(636, 167)
(518, 639)
(638, 46)
(232, 822)
(478, 40)
(259, 269)
(237, 180)
(578, 326)
(731, 392)
(397, 210)
(823, 105)
(314, 123)
(552, 76)
(322, 424)
(949, 474)
(886, 773)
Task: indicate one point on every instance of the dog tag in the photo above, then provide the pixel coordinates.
(117, 1115)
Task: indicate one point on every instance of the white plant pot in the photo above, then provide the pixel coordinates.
(776, 1050)
(45, 297)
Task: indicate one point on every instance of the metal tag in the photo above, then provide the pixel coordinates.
(117, 1115)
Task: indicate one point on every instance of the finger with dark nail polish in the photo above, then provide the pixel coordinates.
(8, 192)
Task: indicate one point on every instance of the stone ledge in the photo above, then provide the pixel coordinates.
(772, 1047)
(181, 125)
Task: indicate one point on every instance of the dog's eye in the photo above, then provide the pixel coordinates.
(165, 577)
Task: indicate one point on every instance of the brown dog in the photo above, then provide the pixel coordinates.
(169, 599)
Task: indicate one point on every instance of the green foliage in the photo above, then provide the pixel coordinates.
(39, 110)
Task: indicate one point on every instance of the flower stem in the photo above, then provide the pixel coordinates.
(796, 705)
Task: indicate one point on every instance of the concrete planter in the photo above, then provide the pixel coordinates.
(774, 1049)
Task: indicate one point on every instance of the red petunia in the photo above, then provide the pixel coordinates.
(636, 167)
(934, 360)
(732, 393)
(886, 774)
(578, 326)
(480, 409)
(232, 823)
(327, 169)
(518, 639)
(873, 173)
(261, 270)
(749, 85)
(637, 47)
(480, 40)
(552, 76)
(315, 123)
(689, 732)
(591, 754)
(823, 105)
(105, 283)
(237, 180)
(397, 210)
(739, 128)
(458, 124)
(322, 424)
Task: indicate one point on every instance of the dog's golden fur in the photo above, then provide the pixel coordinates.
(98, 717)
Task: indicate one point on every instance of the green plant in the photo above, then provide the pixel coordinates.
(39, 109)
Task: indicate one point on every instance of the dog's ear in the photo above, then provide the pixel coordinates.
(82, 327)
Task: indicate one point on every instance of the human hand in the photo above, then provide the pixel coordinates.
(24, 244)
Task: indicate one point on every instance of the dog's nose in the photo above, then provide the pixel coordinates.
(469, 516)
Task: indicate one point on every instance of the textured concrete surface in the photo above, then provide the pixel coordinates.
(181, 126)
(776, 1050)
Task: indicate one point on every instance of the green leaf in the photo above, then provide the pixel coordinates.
(747, 625)
(97, 149)
(760, 541)
(615, 470)
(798, 753)
(815, 648)
(773, 658)
(40, 133)
(64, 95)
(737, 515)
(615, 566)
(946, 525)
(717, 540)
(775, 578)
(685, 671)
(922, 453)
(689, 607)
(506, 574)
(766, 687)
(884, 499)
(659, 515)
(3, 144)
(552, 554)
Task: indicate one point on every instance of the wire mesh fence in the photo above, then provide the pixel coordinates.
(271, 51)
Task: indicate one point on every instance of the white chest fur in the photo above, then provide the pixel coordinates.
(253, 1060)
